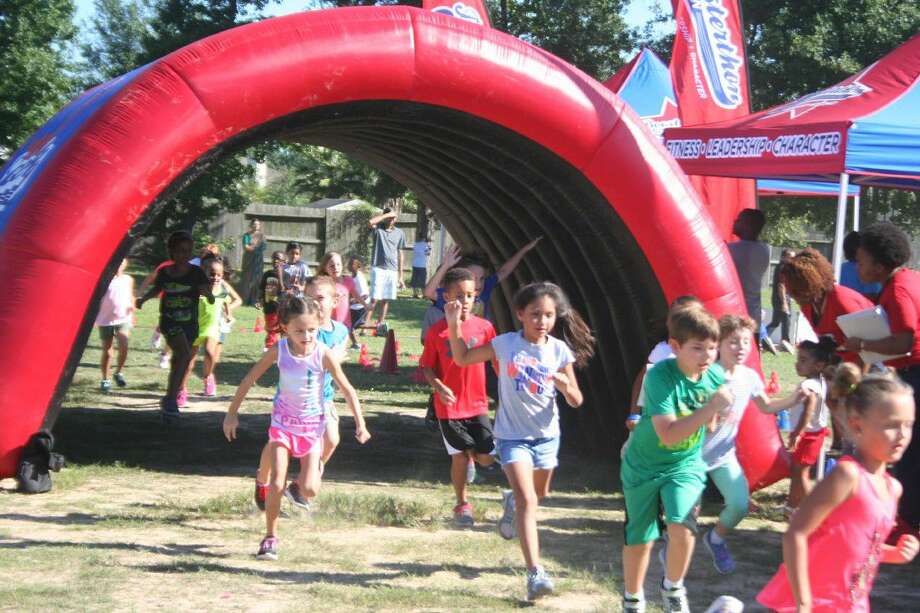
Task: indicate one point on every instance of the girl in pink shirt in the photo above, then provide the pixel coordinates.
(836, 539)
(331, 265)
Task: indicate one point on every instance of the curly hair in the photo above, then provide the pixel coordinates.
(886, 243)
(808, 276)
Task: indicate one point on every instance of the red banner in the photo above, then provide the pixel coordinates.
(470, 10)
(709, 71)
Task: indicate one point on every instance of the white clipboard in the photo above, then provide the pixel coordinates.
(870, 325)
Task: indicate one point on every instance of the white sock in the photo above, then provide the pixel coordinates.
(668, 585)
(715, 538)
(640, 595)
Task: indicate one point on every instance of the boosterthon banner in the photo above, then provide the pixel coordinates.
(709, 71)
(469, 10)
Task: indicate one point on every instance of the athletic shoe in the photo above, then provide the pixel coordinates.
(169, 407)
(105, 385)
(182, 398)
(355, 347)
(787, 346)
(633, 605)
(674, 600)
(463, 515)
(164, 360)
(538, 583)
(721, 557)
(210, 386)
(261, 495)
(471, 472)
(506, 523)
(726, 604)
(767, 344)
(292, 493)
(268, 549)
(156, 339)
(120, 379)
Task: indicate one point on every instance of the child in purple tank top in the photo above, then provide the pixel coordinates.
(298, 411)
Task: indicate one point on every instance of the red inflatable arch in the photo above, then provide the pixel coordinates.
(502, 140)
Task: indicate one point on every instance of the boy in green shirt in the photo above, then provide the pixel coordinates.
(663, 465)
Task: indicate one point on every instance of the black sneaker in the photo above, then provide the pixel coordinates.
(120, 379)
(260, 495)
(292, 493)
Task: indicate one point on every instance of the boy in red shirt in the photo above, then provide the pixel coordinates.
(460, 399)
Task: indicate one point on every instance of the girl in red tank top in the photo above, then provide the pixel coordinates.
(836, 539)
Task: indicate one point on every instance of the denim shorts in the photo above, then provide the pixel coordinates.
(541, 453)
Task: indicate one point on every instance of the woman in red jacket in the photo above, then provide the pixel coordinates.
(884, 249)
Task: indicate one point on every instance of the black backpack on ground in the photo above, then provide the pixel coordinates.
(37, 460)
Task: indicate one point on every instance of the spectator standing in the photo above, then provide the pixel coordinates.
(780, 301)
(849, 276)
(752, 258)
(386, 262)
(421, 251)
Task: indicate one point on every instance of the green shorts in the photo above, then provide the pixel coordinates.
(676, 492)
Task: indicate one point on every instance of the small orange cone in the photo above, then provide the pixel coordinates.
(259, 326)
(364, 359)
(388, 360)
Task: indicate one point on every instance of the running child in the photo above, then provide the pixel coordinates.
(181, 285)
(298, 414)
(270, 293)
(461, 403)
(334, 337)
(809, 416)
(210, 317)
(736, 338)
(662, 466)
(533, 364)
(114, 322)
(346, 292)
(358, 306)
(836, 539)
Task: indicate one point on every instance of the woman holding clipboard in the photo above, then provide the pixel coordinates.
(883, 251)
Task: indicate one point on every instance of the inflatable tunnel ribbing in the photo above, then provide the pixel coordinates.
(501, 140)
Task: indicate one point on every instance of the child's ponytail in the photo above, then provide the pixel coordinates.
(570, 326)
(860, 392)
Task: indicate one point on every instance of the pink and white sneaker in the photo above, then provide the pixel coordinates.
(210, 386)
(182, 398)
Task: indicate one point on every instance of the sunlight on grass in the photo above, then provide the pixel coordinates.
(378, 509)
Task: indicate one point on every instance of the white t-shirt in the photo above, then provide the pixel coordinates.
(719, 446)
(661, 351)
(817, 386)
(360, 289)
(420, 252)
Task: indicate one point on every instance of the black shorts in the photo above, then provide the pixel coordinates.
(357, 317)
(471, 433)
(419, 278)
(171, 328)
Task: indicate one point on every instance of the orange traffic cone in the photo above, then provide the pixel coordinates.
(364, 359)
(772, 388)
(388, 360)
(259, 326)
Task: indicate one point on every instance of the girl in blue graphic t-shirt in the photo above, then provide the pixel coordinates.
(533, 365)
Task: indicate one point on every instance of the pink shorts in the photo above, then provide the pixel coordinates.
(302, 443)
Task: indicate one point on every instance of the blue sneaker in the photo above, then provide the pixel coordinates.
(538, 583)
(506, 523)
(721, 558)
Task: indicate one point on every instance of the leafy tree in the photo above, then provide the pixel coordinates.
(34, 40)
(115, 41)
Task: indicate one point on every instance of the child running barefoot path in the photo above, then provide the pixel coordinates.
(836, 539)
(533, 365)
(298, 413)
(181, 284)
(662, 466)
(736, 338)
(461, 403)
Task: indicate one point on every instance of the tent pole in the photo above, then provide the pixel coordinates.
(841, 220)
(856, 203)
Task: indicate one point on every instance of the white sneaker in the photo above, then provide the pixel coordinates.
(633, 605)
(506, 523)
(164, 361)
(674, 600)
(156, 339)
(726, 604)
